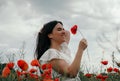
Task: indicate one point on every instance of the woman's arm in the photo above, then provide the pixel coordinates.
(62, 67)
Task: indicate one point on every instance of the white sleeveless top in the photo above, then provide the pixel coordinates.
(64, 54)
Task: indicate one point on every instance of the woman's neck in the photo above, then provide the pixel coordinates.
(55, 45)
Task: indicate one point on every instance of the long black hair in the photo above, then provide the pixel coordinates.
(43, 41)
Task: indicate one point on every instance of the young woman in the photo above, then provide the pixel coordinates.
(51, 42)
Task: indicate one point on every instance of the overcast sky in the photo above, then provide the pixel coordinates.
(98, 20)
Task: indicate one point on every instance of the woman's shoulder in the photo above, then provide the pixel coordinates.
(49, 54)
(51, 50)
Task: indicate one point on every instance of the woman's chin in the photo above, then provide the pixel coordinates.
(62, 41)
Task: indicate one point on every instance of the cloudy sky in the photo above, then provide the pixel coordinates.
(98, 20)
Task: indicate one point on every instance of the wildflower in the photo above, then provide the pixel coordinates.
(49, 66)
(23, 73)
(116, 70)
(74, 29)
(10, 65)
(110, 69)
(47, 74)
(48, 71)
(5, 72)
(104, 62)
(46, 66)
(19, 73)
(56, 79)
(35, 62)
(22, 64)
(33, 70)
(99, 76)
(88, 75)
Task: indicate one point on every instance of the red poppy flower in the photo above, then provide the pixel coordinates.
(10, 65)
(35, 62)
(48, 71)
(48, 76)
(49, 66)
(5, 72)
(99, 76)
(102, 77)
(25, 73)
(33, 70)
(104, 62)
(74, 29)
(18, 73)
(116, 70)
(110, 69)
(88, 75)
(56, 79)
(46, 66)
(22, 64)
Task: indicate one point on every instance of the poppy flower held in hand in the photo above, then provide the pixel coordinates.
(74, 29)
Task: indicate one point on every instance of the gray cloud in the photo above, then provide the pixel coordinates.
(51, 7)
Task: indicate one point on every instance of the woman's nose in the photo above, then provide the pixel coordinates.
(63, 31)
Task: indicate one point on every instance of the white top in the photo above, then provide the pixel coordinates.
(64, 54)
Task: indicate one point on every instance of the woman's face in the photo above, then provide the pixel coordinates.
(58, 34)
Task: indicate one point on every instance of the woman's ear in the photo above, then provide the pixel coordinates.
(50, 36)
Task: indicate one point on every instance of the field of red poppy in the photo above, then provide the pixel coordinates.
(110, 74)
(23, 73)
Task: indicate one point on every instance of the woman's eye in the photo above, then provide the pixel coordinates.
(59, 29)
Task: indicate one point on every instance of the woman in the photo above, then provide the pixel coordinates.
(49, 50)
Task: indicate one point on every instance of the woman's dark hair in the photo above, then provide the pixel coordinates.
(43, 42)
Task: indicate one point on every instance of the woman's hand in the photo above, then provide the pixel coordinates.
(67, 36)
(83, 44)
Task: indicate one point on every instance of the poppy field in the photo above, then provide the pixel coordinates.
(22, 72)
(110, 73)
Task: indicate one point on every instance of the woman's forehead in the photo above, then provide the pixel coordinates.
(59, 25)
